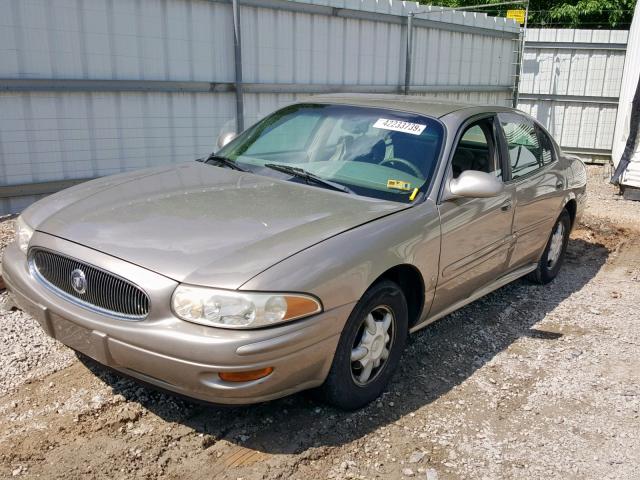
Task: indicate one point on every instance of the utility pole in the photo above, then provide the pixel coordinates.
(407, 61)
(516, 83)
(237, 44)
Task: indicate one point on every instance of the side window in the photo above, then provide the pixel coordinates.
(546, 147)
(526, 152)
(281, 138)
(476, 150)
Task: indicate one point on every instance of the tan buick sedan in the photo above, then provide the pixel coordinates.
(303, 252)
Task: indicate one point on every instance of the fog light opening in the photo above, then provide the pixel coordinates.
(245, 376)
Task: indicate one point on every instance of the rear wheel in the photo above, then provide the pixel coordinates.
(369, 349)
(553, 255)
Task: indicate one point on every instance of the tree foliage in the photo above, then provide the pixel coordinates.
(561, 14)
(608, 13)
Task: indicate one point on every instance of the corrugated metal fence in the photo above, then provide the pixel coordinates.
(94, 87)
(571, 82)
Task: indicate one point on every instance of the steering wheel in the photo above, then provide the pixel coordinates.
(409, 167)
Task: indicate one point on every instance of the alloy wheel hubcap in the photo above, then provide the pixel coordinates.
(555, 248)
(372, 345)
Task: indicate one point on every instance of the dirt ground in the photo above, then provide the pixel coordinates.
(532, 382)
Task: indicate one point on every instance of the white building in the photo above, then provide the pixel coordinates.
(630, 178)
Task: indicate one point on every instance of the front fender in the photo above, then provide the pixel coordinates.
(340, 269)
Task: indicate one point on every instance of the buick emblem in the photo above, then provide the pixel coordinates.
(79, 281)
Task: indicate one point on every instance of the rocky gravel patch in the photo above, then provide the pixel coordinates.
(6, 230)
(531, 381)
(605, 201)
(26, 352)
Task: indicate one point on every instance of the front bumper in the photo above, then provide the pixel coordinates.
(168, 352)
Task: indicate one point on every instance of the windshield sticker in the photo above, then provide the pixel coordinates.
(399, 185)
(399, 126)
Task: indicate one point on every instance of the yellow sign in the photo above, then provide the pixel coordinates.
(398, 185)
(517, 15)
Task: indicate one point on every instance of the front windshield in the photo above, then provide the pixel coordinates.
(374, 152)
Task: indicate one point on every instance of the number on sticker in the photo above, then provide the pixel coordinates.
(399, 126)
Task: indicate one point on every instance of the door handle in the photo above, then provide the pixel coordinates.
(506, 207)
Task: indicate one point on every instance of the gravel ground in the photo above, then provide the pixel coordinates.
(605, 203)
(529, 382)
(26, 352)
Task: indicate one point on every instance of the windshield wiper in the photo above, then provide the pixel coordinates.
(308, 177)
(227, 162)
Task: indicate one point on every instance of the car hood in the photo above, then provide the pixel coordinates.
(201, 224)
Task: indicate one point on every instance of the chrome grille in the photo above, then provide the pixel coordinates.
(104, 292)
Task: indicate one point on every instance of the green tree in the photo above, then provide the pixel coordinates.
(561, 14)
(604, 13)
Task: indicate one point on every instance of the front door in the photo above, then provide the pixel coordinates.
(476, 232)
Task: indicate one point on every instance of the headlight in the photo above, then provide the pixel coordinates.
(23, 234)
(233, 309)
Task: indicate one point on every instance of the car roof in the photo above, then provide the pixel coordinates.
(429, 106)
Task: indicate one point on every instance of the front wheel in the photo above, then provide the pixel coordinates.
(369, 349)
(553, 255)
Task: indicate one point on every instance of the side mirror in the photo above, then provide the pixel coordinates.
(225, 137)
(475, 184)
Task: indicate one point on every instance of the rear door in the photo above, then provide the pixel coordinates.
(476, 232)
(538, 186)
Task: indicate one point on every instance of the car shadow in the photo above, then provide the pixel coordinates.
(437, 359)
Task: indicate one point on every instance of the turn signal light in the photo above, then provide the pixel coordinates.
(300, 307)
(245, 376)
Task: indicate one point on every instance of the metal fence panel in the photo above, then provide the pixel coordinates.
(94, 87)
(116, 39)
(83, 135)
(571, 82)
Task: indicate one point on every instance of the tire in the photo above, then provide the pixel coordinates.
(548, 268)
(347, 385)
